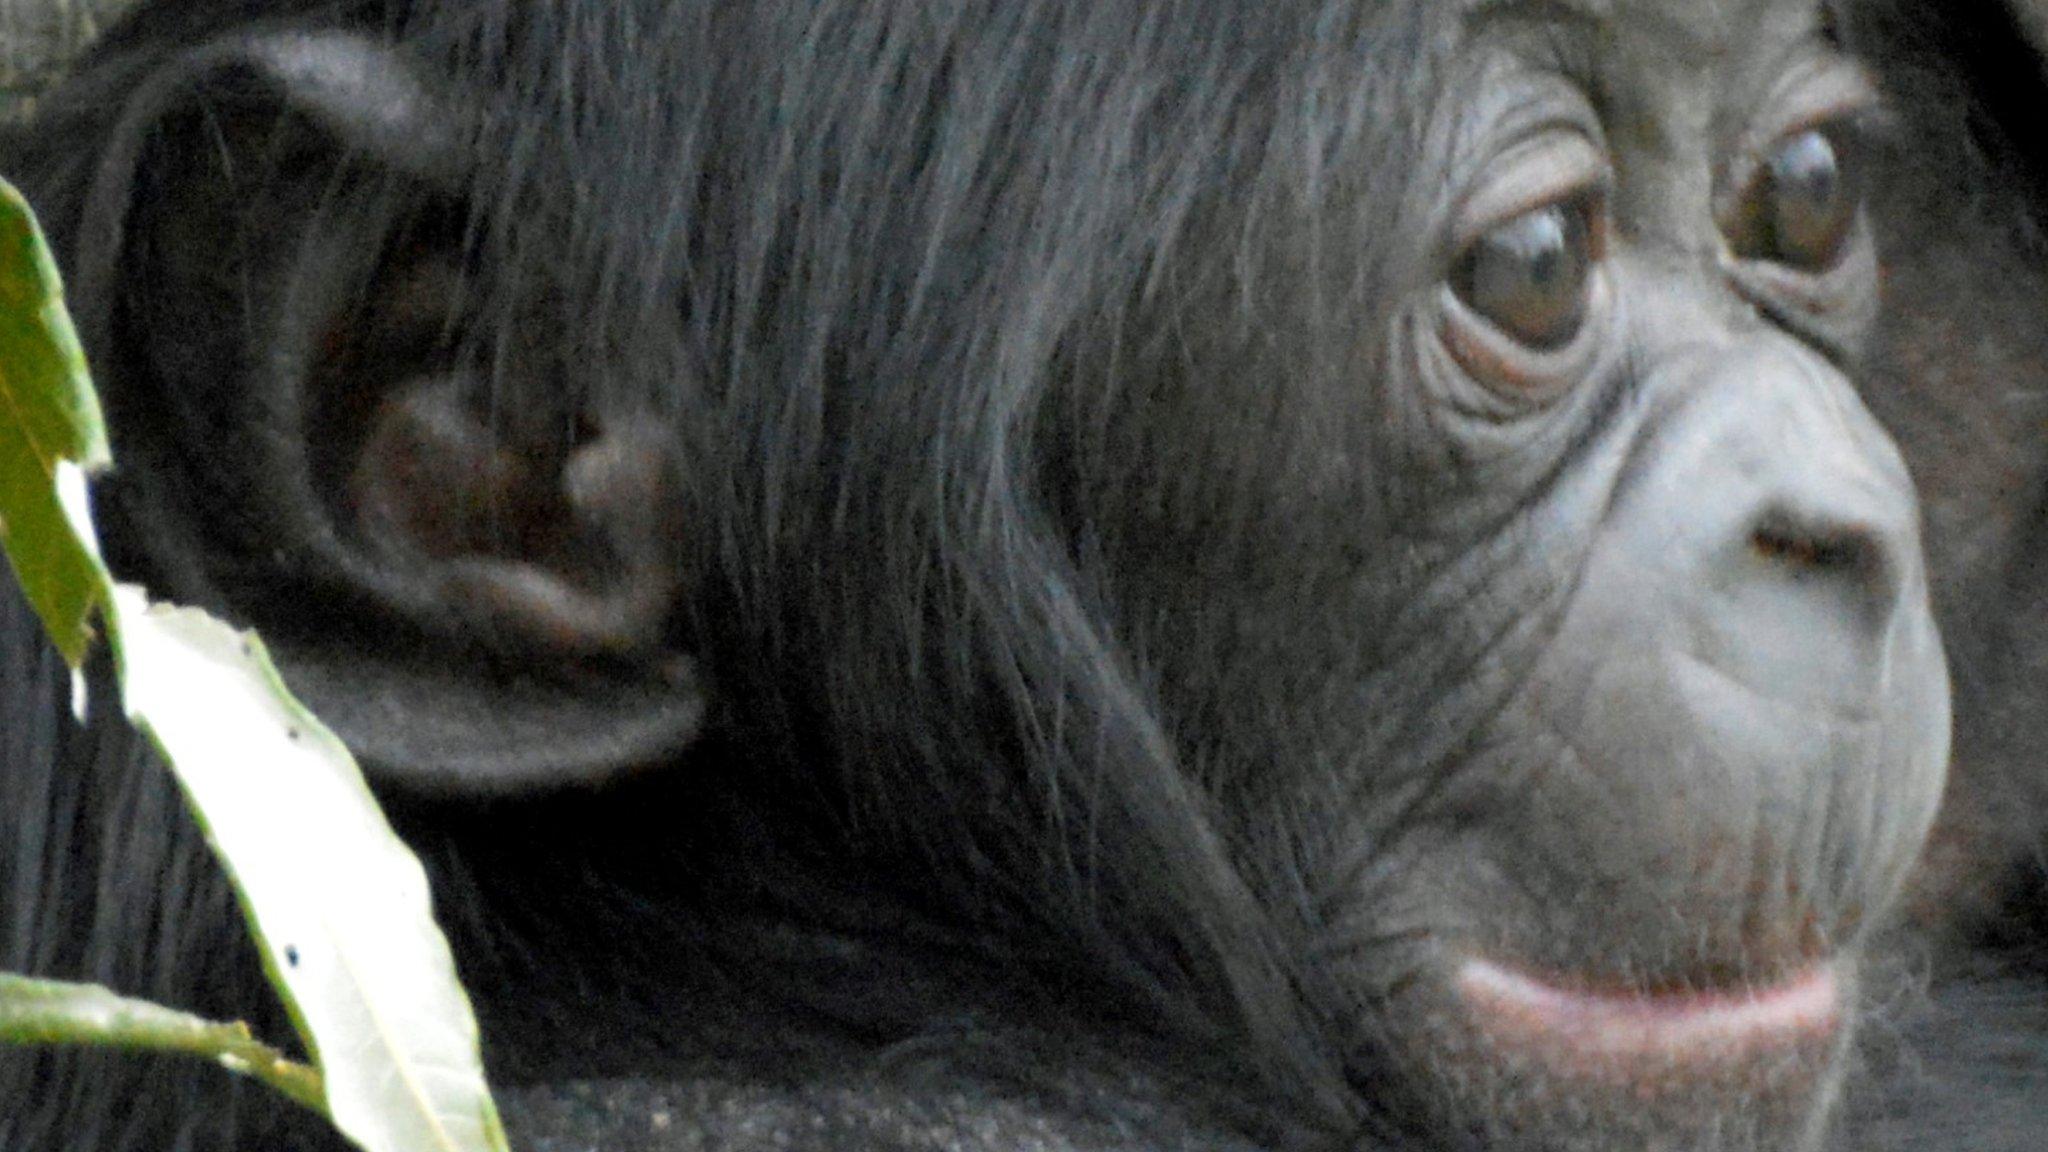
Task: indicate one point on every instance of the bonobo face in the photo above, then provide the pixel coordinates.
(1583, 648)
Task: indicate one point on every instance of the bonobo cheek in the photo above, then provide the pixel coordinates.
(1723, 767)
(1749, 681)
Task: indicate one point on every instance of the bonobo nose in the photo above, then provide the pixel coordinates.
(1833, 521)
(1802, 524)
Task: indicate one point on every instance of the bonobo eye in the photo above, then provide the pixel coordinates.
(1530, 275)
(1803, 205)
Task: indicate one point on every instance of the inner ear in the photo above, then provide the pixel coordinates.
(465, 559)
(509, 510)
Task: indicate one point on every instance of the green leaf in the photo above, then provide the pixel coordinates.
(48, 413)
(338, 905)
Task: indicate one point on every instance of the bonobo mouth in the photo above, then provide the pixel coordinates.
(1621, 1034)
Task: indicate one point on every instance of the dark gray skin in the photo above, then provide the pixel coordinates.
(1062, 576)
(1713, 719)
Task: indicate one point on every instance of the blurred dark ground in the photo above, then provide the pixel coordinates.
(37, 38)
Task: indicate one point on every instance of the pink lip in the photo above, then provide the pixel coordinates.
(1601, 1029)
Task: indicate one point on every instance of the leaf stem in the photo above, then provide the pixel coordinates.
(55, 1012)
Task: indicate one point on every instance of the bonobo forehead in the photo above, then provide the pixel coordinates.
(1666, 45)
(1727, 40)
(1706, 25)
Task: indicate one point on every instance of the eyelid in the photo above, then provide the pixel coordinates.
(1825, 89)
(1555, 166)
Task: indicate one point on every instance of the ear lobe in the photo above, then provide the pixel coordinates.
(462, 566)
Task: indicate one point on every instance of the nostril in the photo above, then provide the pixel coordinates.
(1851, 550)
(1824, 552)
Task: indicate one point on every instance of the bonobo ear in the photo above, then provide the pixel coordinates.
(330, 425)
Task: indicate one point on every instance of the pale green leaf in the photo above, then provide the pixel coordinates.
(340, 907)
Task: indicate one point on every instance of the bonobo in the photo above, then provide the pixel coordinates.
(1046, 573)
